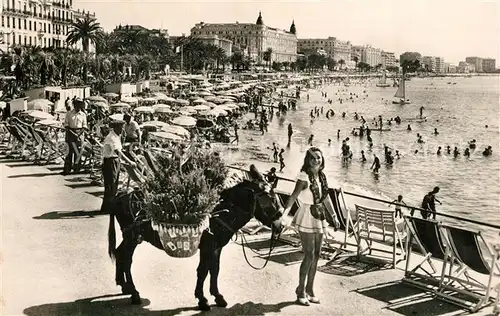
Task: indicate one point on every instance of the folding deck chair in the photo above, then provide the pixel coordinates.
(430, 241)
(496, 260)
(373, 223)
(471, 252)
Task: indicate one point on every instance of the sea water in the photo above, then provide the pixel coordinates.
(461, 109)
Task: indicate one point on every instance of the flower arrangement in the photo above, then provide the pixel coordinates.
(183, 193)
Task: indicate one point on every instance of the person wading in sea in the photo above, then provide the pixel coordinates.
(428, 203)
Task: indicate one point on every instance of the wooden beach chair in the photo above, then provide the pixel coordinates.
(471, 253)
(496, 260)
(376, 225)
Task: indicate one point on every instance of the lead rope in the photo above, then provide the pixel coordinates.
(244, 242)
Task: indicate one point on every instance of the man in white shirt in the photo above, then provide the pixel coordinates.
(75, 123)
(111, 153)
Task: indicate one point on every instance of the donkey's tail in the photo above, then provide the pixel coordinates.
(111, 237)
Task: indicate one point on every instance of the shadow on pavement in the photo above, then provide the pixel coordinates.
(102, 305)
(69, 215)
(350, 266)
(406, 300)
(34, 175)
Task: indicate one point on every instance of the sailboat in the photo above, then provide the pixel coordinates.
(383, 81)
(401, 93)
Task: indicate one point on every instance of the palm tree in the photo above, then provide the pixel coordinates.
(87, 30)
(356, 60)
(341, 63)
(267, 57)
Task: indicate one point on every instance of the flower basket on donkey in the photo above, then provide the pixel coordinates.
(180, 197)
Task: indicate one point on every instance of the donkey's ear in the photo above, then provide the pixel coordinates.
(255, 174)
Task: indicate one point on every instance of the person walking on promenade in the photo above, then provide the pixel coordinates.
(282, 159)
(311, 189)
(75, 124)
(428, 203)
(112, 153)
(398, 204)
(290, 133)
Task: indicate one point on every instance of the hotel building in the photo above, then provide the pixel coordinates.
(42, 23)
(388, 59)
(370, 55)
(489, 65)
(476, 61)
(332, 46)
(254, 38)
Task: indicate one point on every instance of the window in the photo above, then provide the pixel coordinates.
(13, 39)
(25, 24)
(45, 27)
(30, 41)
(44, 42)
(3, 21)
(19, 23)
(49, 28)
(13, 23)
(8, 21)
(19, 37)
(30, 25)
(25, 42)
(34, 25)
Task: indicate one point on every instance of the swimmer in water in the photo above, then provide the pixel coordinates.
(456, 153)
(439, 151)
(397, 154)
(408, 128)
(310, 140)
(376, 164)
(448, 149)
(467, 153)
(363, 158)
(436, 131)
(338, 134)
(329, 142)
(398, 203)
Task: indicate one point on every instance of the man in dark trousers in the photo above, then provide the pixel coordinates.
(112, 153)
(428, 203)
(75, 123)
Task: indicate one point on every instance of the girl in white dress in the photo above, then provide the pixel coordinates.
(311, 189)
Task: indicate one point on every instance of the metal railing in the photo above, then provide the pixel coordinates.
(413, 208)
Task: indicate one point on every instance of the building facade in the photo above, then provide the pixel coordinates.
(429, 63)
(42, 23)
(254, 39)
(223, 43)
(439, 65)
(465, 67)
(489, 65)
(331, 46)
(389, 60)
(476, 61)
(372, 56)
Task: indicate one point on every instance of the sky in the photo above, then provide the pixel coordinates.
(453, 29)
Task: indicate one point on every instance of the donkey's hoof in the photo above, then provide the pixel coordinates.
(136, 299)
(220, 301)
(203, 304)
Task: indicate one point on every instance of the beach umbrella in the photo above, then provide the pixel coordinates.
(185, 113)
(49, 122)
(149, 100)
(37, 114)
(177, 130)
(211, 98)
(3, 104)
(129, 100)
(199, 101)
(189, 109)
(96, 98)
(186, 121)
(116, 117)
(201, 107)
(217, 112)
(144, 109)
(111, 95)
(160, 95)
(204, 94)
(210, 104)
(163, 110)
(182, 102)
(40, 104)
(242, 105)
(119, 105)
(158, 124)
(166, 135)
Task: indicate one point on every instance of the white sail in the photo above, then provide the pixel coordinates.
(401, 89)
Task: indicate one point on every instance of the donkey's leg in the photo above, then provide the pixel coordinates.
(120, 275)
(214, 276)
(206, 256)
(127, 265)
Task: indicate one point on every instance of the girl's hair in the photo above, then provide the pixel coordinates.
(306, 166)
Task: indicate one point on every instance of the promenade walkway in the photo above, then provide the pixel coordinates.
(54, 262)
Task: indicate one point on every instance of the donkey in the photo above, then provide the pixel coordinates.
(238, 205)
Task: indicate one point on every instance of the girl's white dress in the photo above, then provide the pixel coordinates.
(303, 220)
